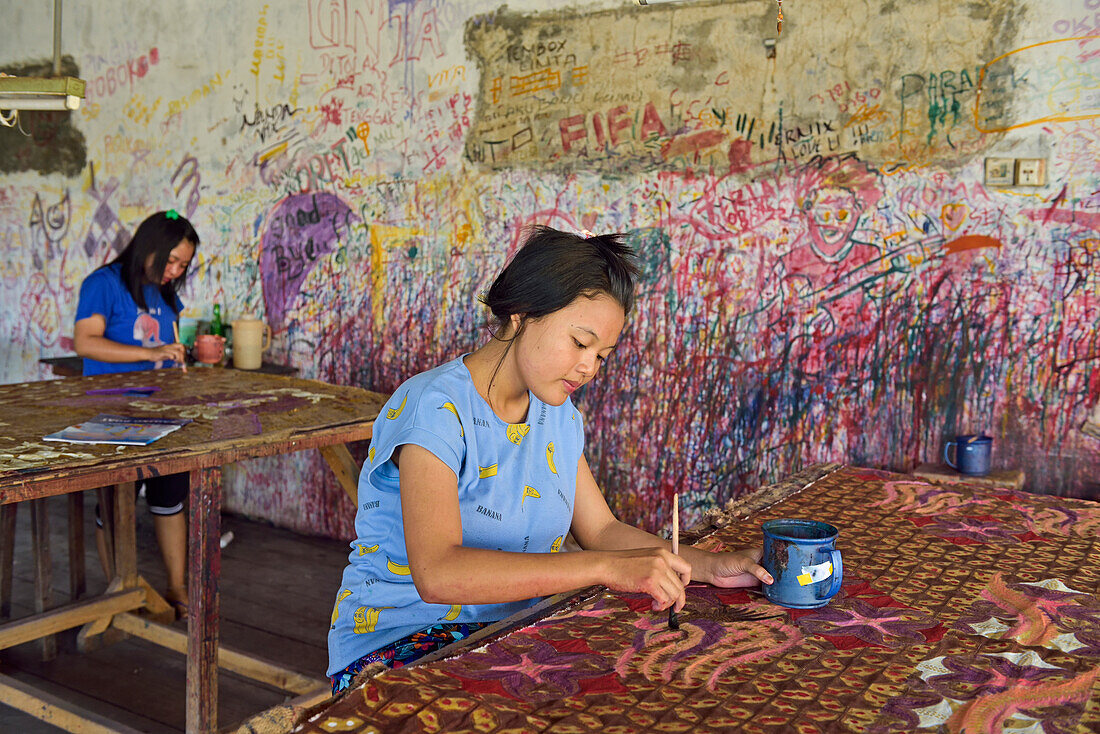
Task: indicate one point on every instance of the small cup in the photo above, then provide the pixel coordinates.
(802, 558)
(972, 454)
(209, 348)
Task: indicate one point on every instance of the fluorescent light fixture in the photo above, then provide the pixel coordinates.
(35, 93)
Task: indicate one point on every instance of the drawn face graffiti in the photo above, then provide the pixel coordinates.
(832, 214)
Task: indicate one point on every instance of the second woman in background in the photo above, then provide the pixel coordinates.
(124, 322)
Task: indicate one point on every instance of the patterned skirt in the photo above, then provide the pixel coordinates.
(407, 649)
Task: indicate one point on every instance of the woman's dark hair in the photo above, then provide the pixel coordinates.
(158, 235)
(552, 269)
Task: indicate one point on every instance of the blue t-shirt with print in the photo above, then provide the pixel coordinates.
(104, 293)
(516, 488)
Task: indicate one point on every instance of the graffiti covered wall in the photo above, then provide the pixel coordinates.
(827, 276)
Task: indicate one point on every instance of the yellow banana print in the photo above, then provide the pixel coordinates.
(451, 407)
(392, 413)
(364, 550)
(486, 471)
(370, 454)
(397, 568)
(550, 457)
(528, 492)
(516, 432)
(556, 545)
(452, 613)
(344, 594)
(366, 618)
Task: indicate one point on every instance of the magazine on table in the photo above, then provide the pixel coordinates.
(119, 429)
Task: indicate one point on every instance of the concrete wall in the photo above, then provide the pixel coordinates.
(827, 276)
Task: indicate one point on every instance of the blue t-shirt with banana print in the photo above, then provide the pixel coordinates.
(516, 488)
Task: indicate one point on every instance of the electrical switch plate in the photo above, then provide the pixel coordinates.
(1000, 171)
(1031, 172)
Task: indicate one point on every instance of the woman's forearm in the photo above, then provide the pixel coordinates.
(620, 536)
(479, 576)
(105, 350)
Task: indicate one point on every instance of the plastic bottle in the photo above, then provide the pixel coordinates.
(217, 328)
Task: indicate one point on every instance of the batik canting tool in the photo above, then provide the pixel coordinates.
(176, 332)
(673, 620)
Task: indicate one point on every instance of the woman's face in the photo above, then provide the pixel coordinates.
(558, 353)
(178, 260)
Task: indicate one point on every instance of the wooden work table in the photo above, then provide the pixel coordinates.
(236, 415)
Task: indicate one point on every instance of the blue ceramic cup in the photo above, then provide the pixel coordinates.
(971, 454)
(801, 556)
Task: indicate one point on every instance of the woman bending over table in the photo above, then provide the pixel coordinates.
(124, 322)
(476, 473)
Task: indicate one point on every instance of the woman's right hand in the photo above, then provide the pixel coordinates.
(175, 352)
(653, 571)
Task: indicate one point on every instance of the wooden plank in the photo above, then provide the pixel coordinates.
(204, 570)
(78, 584)
(7, 557)
(344, 467)
(66, 617)
(56, 711)
(250, 666)
(941, 474)
(43, 594)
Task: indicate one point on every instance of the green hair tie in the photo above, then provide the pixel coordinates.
(172, 214)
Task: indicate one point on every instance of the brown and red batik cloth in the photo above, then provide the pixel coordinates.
(963, 609)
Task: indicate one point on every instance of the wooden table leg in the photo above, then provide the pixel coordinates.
(106, 518)
(78, 584)
(203, 571)
(43, 594)
(125, 535)
(344, 467)
(7, 556)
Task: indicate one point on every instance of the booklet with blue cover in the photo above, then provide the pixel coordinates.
(119, 429)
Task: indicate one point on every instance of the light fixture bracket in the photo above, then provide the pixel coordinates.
(38, 93)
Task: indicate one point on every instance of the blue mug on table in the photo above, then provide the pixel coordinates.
(971, 454)
(801, 556)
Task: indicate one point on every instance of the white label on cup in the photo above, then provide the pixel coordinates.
(813, 574)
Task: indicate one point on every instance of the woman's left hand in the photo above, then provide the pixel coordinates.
(735, 570)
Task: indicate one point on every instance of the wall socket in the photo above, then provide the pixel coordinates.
(1000, 171)
(1015, 172)
(1031, 172)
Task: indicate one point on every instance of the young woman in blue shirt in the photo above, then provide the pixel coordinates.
(124, 323)
(476, 472)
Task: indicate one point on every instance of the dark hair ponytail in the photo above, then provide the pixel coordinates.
(552, 269)
(158, 235)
